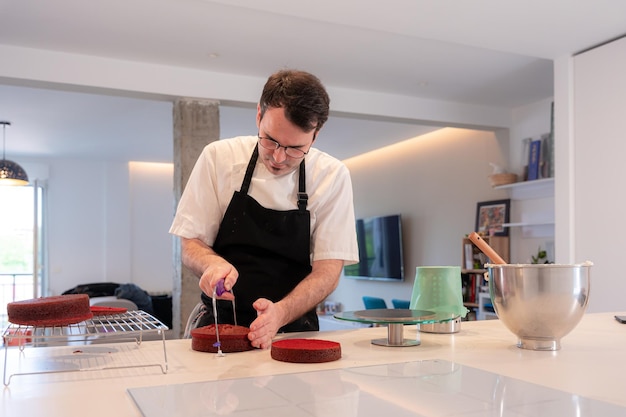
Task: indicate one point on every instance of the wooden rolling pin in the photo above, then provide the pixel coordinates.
(486, 249)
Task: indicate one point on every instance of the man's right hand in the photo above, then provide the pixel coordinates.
(209, 266)
(219, 270)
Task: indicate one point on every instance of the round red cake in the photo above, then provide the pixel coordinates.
(232, 338)
(60, 310)
(305, 350)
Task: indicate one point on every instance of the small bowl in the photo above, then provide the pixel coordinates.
(539, 303)
(502, 179)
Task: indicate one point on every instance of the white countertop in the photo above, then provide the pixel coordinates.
(590, 364)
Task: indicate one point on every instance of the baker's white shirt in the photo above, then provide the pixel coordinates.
(219, 172)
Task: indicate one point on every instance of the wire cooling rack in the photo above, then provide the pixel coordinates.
(128, 326)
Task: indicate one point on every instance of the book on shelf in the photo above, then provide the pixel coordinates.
(551, 145)
(469, 256)
(534, 159)
(546, 158)
(472, 285)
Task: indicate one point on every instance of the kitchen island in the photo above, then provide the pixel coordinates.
(589, 365)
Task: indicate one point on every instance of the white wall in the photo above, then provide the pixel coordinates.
(529, 121)
(117, 224)
(107, 222)
(598, 150)
(151, 212)
(76, 223)
(434, 181)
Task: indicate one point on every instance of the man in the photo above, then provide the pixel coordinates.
(270, 215)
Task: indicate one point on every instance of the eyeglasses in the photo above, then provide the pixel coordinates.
(290, 151)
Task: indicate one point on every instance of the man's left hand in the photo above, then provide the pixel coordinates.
(264, 328)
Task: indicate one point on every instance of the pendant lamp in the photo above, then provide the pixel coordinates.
(11, 173)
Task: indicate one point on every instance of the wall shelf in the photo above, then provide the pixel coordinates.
(542, 188)
(533, 223)
(534, 229)
(524, 224)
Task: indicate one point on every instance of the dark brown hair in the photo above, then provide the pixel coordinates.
(301, 94)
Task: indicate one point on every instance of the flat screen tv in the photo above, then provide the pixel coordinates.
(380, 249)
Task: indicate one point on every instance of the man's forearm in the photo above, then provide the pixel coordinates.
(311, 291)
(196, 255)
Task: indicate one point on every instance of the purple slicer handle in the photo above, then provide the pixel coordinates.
(219, 288)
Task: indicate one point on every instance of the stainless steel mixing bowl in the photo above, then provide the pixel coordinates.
(539, 303)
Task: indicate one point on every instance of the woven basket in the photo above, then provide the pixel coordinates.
(502, 179)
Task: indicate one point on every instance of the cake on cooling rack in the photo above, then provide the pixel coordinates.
(107, 311)
(60, 310)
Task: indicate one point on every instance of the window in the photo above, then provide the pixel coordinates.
(21, 248)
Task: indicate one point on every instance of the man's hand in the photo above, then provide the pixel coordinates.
(308, 293)
(217, 271)
(209, 266)
(269, 319)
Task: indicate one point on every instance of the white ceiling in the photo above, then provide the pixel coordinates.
(483, 52)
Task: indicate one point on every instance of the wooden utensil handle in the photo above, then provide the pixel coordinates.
(486, 249)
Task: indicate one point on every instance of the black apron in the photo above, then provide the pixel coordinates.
(269, 248)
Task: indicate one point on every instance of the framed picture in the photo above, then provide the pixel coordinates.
(490, 216)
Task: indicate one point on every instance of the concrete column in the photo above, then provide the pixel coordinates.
(196, 123)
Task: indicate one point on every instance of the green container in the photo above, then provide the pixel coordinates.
(438, 289)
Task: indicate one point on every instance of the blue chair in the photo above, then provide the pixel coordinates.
(404, 304)
(374, 302)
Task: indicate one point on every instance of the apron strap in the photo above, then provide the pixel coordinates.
(245, 185)
(303, 197)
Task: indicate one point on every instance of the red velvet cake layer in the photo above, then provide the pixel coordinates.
(305, 350)
(107, 311)
(232, 338)
(60, 310)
